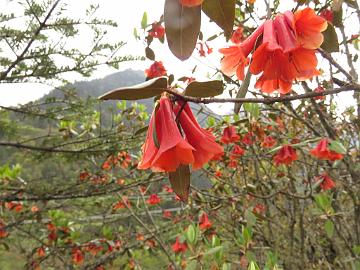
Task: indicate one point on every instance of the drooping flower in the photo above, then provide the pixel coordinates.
(3, 232)
(172, 149)
(166, 214)
(204, 222)
(259, 208)
(191, 3)
(202, 140)
(308, 27)
(237, 35)
(178, 247)
(322, 151)
(326, 182)
(235, 57)
(286, 155)
(157, 69)
(268, 142)
(77, 256)
(157, 30)
(237, 152)
(229, 135)
(248, 139)
(327, 14)
(153, 199)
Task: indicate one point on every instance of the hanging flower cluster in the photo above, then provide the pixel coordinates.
(165, 148)
(283, 51)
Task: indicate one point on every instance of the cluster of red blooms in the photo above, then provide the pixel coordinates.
(156, 69)
(165, 148)
(123, 159)
(286, 51)
(153, 199)
(326, 182)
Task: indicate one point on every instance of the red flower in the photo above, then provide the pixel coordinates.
(191, 3)
(326, 182)
(123, 203)
(157, 31)
(237, 152)
(237, 35)
(157, 69)
(327, 14)
(233, 163)
(268, 142)
(179, 247)
(204, 222)
(259, 208)
(168, 150)
(285, 155)
(319, 89)
(230, 135)
(202, 140)
(308, 27)
(248, 139)
(166, 214)
(41, 252)
(235, 57)
(322, 151)
(167, 189)
(153, 199)
(77, 256)
(3, 232)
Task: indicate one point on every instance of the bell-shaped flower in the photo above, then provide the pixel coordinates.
(286, 155)
(204, 222)
(202, 141)
(326, 182)
(229, 135)
(235, 57)
(164, 148)
(322, 151)
(308, 27)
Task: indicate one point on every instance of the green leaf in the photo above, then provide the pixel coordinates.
(331, 43)
(191, 234)
(213, 250)
(253, 109)
(144, 21)
(204, 89)
(226, 266)
(222, 12)
(250, 218)
(149, 53)
(182, 27)
(150, 88)
(253, 266)
(180, 182)
(329, 228)
(337, 147)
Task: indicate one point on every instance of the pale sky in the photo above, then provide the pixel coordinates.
(128, 15)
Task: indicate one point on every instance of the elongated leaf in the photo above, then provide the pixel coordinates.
(144, 21)
(180, 182)
(182, 26)
(204, 89)
(150, 88)
(222, 12)
(242, 91)
(331, 43)
(329, 228)
(337, 146)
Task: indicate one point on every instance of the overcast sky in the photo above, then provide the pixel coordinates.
(128, 15)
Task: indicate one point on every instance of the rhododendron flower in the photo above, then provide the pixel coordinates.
(248, 139)
(77, 256)
(322, 151)
(285, 155)
(157, 69)
(308, 27)
(235, 57)
(268, 142)
(204, 222)
(3, 232)
(178, 247)
(191, 3)
(41, 252)
(237, 152)
(326, 182)
(233, 163)
(229, 135)
(153, 199)
(123, 203)
(166, 214)
(167, 189)
(202, 140)
(237, 35)
(259, 208)
(172, 150)
(327, 14)
(157, 30)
